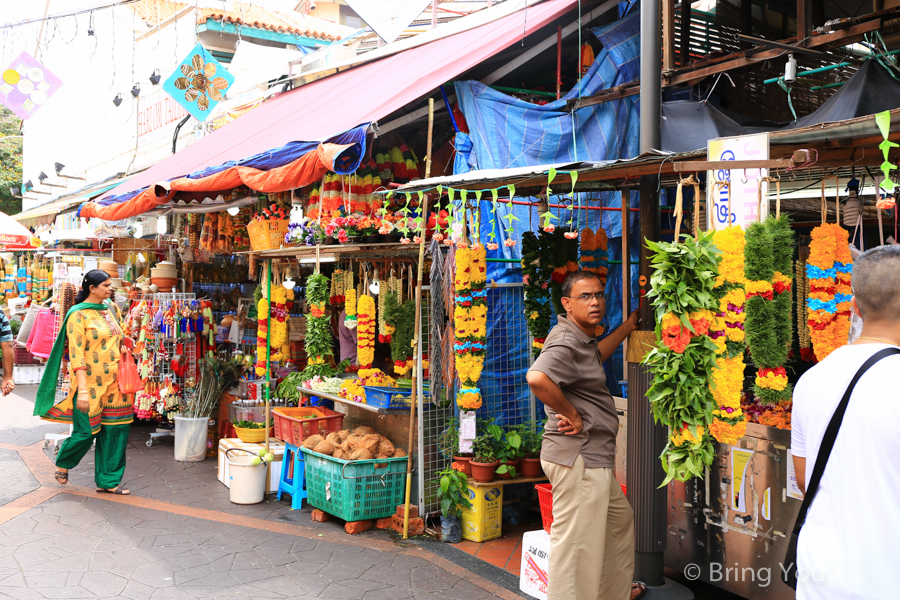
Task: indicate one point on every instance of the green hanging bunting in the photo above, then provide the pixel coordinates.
(512, 191)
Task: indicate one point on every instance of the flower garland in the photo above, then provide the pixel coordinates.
(403, 318)
(595, 258)
(801, 287)
(470, 323)
(727, 332)
(351, 319)
(318, 341)
(537, 298)
(828, 271)
(768, 260)
(365, 335)
(683, 361)
(262, 329)
(390, 292)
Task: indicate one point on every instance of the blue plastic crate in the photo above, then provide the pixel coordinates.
(386, 397)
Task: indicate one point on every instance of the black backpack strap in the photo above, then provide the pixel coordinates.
(831, 435)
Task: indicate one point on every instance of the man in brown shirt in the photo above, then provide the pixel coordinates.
(592, 536)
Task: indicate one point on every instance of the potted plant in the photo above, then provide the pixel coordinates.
(454, 498)
(369, 230)
(508, 446)
(485, 462)
(450, 446)
(532, 439)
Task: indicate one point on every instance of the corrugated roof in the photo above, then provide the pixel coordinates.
(247, 15)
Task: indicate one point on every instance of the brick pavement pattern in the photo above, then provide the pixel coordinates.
(179, 537)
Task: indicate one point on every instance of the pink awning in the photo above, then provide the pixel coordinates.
(330, 106)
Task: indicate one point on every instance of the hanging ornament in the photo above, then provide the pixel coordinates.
(26, 85)
(199, 83)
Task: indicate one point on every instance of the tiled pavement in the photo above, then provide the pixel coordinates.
(179, 536)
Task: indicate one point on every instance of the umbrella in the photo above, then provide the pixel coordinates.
(14, 235)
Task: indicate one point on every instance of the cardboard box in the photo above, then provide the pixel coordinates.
(535, 567)
(483, 521)
(276, 447)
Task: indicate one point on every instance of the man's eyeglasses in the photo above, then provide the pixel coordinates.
(599, 297)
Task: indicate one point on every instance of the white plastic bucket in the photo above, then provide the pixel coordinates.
(248, 481)
(190, 438)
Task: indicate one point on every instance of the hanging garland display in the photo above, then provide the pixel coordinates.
(727, 332)
(318, 328)
(390, 292)
(828, 271)
(403, 318)
(768, 264)
(684, 359)
(537, 298)
(562, 254)
(365, 333)
(801, 288)
(470, 323)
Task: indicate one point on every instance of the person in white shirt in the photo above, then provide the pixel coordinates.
(847, 547)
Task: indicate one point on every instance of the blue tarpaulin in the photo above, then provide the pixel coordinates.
(507, 132)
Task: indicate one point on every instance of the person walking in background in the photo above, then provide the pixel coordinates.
(95, 406)
(6, 343)
(592, 536)
(849, 535)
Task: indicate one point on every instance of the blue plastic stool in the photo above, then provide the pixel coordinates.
(293, 480)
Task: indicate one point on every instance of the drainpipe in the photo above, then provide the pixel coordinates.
(646, 440)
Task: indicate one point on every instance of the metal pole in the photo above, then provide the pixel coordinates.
(418, 328)
(268, 367)
(558, 61)
(645, 439)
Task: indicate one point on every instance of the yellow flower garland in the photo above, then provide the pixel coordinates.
(728, 425)
(470, 323)
(350, 308)
(365, 335)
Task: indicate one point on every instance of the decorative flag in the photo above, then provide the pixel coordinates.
(199, 83)
(27, 85)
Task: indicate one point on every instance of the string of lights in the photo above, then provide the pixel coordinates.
(68, 14)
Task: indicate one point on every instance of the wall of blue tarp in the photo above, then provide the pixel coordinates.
(507, 132)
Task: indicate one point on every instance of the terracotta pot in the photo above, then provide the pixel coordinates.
(530, 467)
(483, 472)
(372, 239)
(510, 463)
(465, 462)
(392, 238)
(352, 239)
(328, 241)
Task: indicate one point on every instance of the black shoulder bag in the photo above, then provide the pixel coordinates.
(789, 567)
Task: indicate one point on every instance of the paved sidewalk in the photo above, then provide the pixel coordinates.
(178, 536)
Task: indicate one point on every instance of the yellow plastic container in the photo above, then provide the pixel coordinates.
(253, 436)
(483, 521)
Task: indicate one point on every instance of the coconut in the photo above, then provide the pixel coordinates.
(370, 443)
(361, 454)
(324, 448)
(335, 438)
(363, 430)
(353, 442)
(344, 434)
(386, 447)
(312, 441)
(340, 454)
(399, 452)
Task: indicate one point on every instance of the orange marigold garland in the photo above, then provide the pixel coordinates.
(470, 323)
(365, 331)
(828, 271)
(595, 257)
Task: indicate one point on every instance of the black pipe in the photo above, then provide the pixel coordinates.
(177, 129)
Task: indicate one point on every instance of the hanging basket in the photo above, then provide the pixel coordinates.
(267, 235)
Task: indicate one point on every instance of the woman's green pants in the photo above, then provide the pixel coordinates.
(109, 455)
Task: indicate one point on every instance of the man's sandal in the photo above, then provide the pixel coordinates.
(62, 477)
(119, 491)
(638, 585)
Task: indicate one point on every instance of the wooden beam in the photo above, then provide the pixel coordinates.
(569, 29)
(730, 165)
(804, 18)
(668, 33)
(411, 117)
(620, 91)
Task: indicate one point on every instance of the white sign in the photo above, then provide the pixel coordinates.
(793, 490)
(388, 17)
(744, 184)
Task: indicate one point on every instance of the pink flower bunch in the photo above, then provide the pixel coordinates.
(405, 240)
(509, 243)
(549, 228)
(570, 235)
(492, 246)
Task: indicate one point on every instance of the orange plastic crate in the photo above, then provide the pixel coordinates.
(545, 499)
(293, 425)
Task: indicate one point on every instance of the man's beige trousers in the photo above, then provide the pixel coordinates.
(592, 537)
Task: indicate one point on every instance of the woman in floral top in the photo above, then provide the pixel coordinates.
(95, 405)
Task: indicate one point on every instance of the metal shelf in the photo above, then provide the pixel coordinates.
(360, 405)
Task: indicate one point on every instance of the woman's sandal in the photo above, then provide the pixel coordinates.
(117, 490)
(62, 477)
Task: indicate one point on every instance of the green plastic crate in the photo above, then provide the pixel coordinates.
(354, 490)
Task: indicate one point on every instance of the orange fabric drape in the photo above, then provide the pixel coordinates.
(307, 169)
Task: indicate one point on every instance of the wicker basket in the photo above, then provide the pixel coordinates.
(267, 235)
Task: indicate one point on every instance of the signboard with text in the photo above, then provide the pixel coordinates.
(744, 184)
